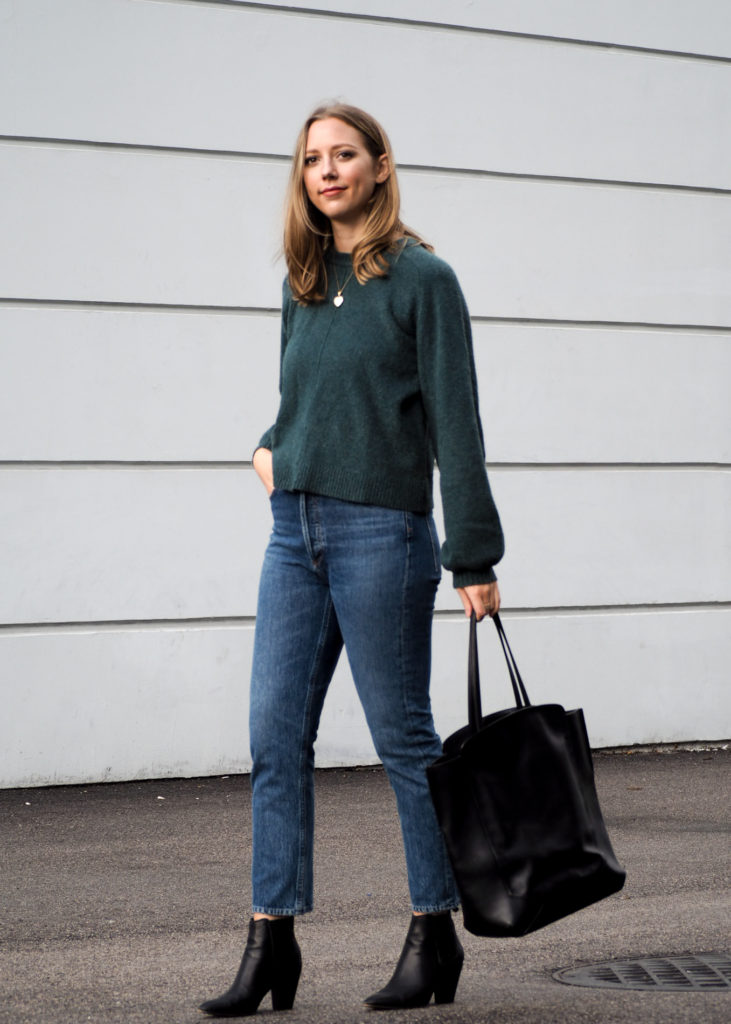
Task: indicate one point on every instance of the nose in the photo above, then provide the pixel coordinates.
(328, 167)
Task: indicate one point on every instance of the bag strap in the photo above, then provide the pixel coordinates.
(474, 700)
(519, 690)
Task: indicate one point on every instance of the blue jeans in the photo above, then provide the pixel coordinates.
(337, 572)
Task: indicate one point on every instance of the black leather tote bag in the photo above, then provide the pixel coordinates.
(515, 797)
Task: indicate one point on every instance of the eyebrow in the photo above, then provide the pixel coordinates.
(338, 145)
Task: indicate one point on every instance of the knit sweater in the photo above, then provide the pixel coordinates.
(373, 392)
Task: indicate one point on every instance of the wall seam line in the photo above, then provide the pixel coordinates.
(319, 12)
(445, 615)
(426, 169)
(238, 464)
(31, 302)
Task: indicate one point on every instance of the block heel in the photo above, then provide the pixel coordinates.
(283, 995)
(445, 988)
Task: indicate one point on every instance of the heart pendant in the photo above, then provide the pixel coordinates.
(338, 301)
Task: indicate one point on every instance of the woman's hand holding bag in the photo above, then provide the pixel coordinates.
(481, 599)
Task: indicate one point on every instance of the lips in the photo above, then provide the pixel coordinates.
(331, 191)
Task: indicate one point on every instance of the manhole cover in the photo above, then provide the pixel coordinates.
(672, 973)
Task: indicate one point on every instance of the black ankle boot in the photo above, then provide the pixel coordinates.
(430, 962)
(271, 961)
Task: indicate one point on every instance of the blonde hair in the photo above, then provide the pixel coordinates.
(307, 231)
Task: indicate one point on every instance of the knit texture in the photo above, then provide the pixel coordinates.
(374, 391)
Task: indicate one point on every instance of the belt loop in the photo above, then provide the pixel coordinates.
(408, 524)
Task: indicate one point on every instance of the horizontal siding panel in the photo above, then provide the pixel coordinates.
(166, 386)
(110, 705)
(630, 672)
(90, 544)
(100, 544)
(204, 231)
(135, 386)
(585, 537)
(102, 706)
(703, 27)
(579, 252)
(124, 226)
(575, 394)
(183, 75)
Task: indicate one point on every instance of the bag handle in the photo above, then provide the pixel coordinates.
(474, 700)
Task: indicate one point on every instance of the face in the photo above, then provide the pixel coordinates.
(340, 174)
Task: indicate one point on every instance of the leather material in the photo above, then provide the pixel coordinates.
(430, 964)
(271, 963)
(516, 801)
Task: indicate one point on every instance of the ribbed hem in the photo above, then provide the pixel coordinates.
(409, 495)
(470, 579)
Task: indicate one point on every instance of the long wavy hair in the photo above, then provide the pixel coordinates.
(307, 231)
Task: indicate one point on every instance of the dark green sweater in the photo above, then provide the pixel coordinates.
(376, 390)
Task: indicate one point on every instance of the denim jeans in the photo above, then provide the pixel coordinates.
(337, 572)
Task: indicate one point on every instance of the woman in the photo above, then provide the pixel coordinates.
(377, 381)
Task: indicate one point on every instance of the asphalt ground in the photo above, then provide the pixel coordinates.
(129, 902)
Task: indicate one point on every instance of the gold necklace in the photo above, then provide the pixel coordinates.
(338, 299)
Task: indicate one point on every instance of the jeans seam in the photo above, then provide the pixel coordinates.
(304, 525)
(434, 541)
(402, 624)
(408, 715)
(303, 853)
(424, 759)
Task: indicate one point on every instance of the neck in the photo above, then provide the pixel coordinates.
(346, 236)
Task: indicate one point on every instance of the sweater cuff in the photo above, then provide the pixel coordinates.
(469, 579)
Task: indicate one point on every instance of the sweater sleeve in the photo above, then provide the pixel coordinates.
(474, 537)
(267, 438)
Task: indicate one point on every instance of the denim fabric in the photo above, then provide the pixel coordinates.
(337, 572)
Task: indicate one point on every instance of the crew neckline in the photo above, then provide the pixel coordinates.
(343, 258)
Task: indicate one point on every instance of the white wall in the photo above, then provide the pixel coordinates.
(570, 160)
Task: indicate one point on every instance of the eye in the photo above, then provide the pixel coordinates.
(309, 160)
(346, 154)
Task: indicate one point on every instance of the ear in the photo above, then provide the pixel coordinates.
(383, 169)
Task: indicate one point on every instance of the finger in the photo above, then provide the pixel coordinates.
(486, 598)
(467, 604)
(494, 601)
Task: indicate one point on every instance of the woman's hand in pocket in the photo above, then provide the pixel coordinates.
(263, 465)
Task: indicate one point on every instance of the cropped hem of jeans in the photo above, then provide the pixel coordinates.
(281, 911)
(437, 908)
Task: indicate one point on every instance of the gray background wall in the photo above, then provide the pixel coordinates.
(572, 161)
